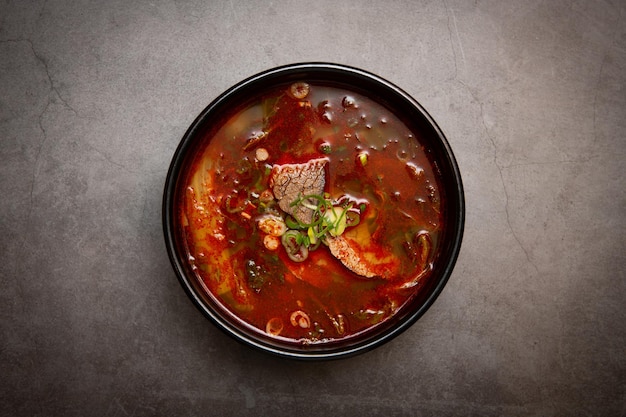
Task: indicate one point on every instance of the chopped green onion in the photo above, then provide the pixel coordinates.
(325, 148)
(352, 218)
(312, 236)
(292, 223)
(336, 217)
(309, 205)
(363, 158)
(292, 242)
(231, 209)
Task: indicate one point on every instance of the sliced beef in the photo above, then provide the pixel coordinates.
(369, 261)
(292, 181)
(341, 249)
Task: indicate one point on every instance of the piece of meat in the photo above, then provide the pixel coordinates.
(369, 261)
(292, 181)
(341, 249)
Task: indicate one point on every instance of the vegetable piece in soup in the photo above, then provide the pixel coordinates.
(312, 213)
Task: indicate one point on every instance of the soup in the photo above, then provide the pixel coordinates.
(312, 214)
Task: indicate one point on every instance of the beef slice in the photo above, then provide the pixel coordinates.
(369, 261)
(290, 182)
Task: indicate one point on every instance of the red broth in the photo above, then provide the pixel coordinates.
(372, 159)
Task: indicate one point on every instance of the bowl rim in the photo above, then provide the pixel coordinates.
(292, 351)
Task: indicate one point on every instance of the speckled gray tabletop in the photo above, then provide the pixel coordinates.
(94, 98)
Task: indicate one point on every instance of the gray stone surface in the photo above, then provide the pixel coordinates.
(94, 97)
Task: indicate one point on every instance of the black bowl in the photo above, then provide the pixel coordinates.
(385, 93)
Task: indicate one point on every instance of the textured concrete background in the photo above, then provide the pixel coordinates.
(94, 97)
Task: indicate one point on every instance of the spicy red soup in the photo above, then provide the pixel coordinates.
(311, 213)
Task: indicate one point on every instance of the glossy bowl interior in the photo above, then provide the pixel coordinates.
(402, 105)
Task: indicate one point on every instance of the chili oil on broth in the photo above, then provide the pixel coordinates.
(372, 159)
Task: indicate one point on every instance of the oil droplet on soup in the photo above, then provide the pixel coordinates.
(312, 213)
